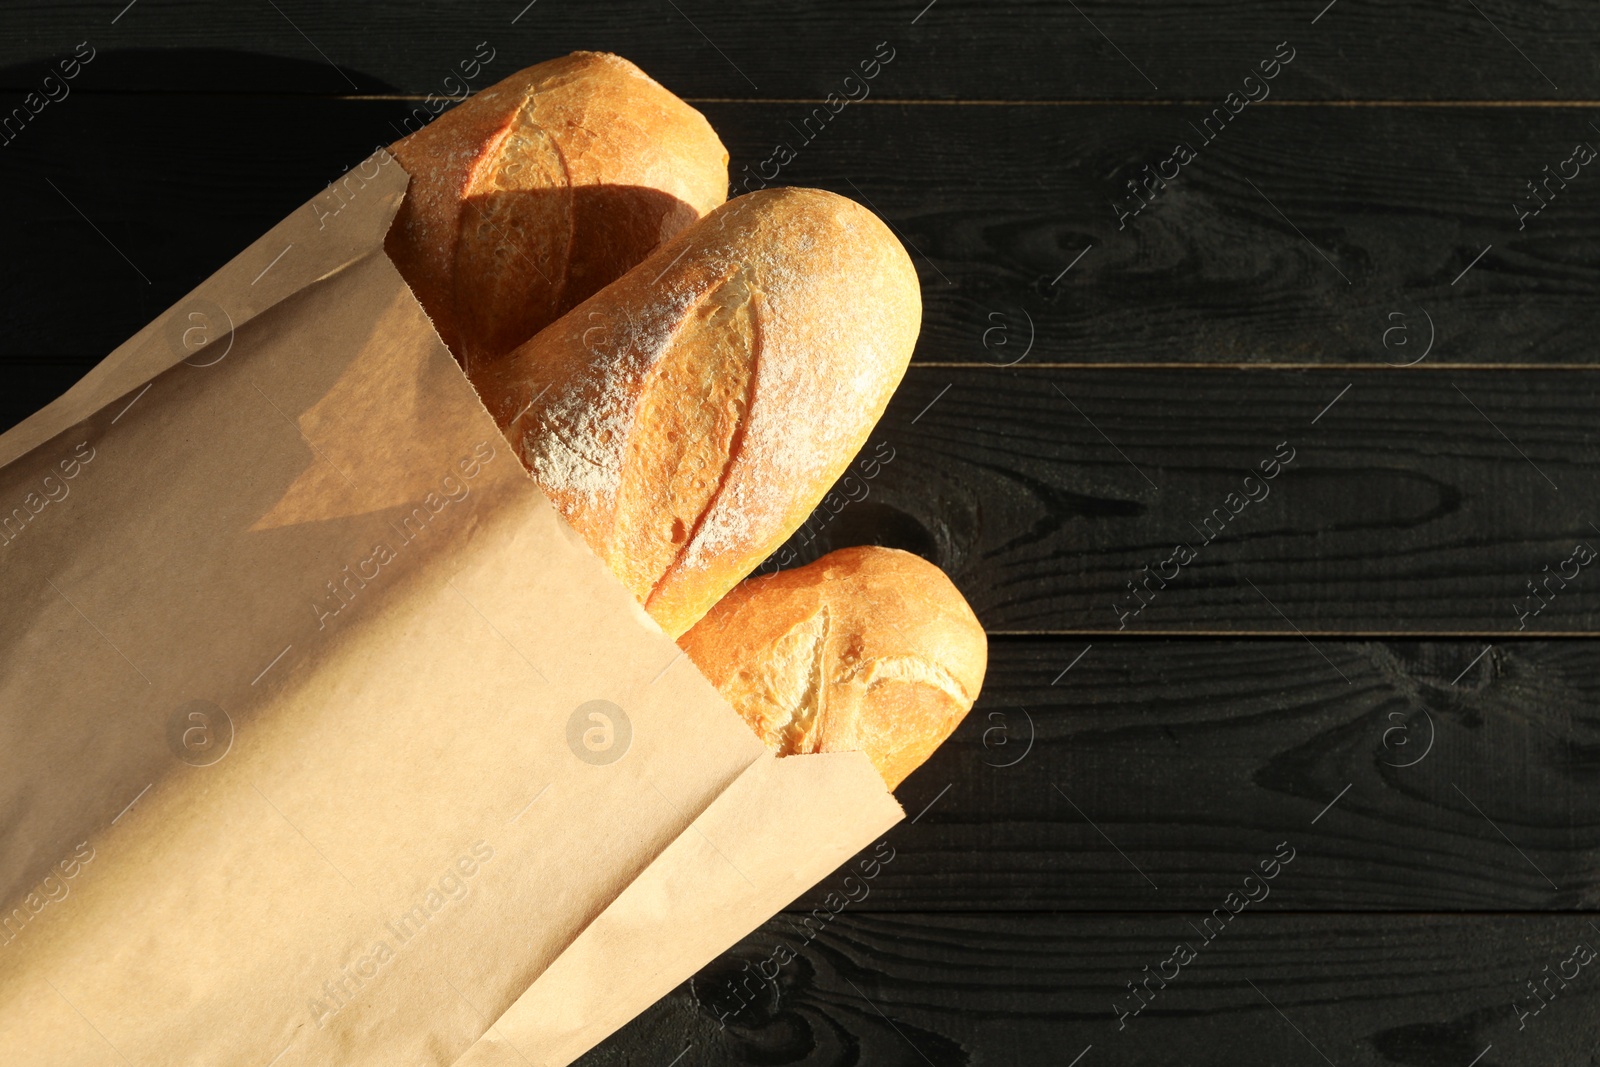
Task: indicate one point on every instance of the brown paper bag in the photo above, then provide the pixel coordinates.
(325, 740)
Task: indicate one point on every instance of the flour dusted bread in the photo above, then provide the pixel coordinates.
(540, 190)
(866, 650)
(688, 417)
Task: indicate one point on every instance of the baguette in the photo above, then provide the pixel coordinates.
(867, 649)
(537, 192)
(687, 418)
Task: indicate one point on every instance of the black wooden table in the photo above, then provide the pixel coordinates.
(1267, 770)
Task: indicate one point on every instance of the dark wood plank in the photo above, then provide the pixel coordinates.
(1415, 502)
(996, 201)
(1359, 49)
(1154, 775)
(1296, 234)
(1419, 502)
(1291, 990)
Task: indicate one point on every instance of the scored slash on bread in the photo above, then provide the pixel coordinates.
(867, 649)
(687, 418)
(538, 191)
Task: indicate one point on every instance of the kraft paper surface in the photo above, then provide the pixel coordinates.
(725, 875)
(325, 740)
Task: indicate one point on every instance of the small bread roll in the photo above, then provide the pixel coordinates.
(537, 192)
(688, 417)
(866, 650)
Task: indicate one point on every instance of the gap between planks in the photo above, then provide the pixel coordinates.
(1208, 364)
(933, 102)
(1332, 635)
(889, 101)
(1487, 913)
(915, 102)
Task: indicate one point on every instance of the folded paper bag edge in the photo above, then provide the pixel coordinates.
(558, 1031)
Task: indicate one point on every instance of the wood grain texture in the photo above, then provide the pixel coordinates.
(996, 202)
(1155, 775)
(1098, 49)
(1295, 234)
(1415, 502)
(1290, 990)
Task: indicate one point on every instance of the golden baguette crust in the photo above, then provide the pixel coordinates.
(687, 418)
(866, 650)
(540, 190)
